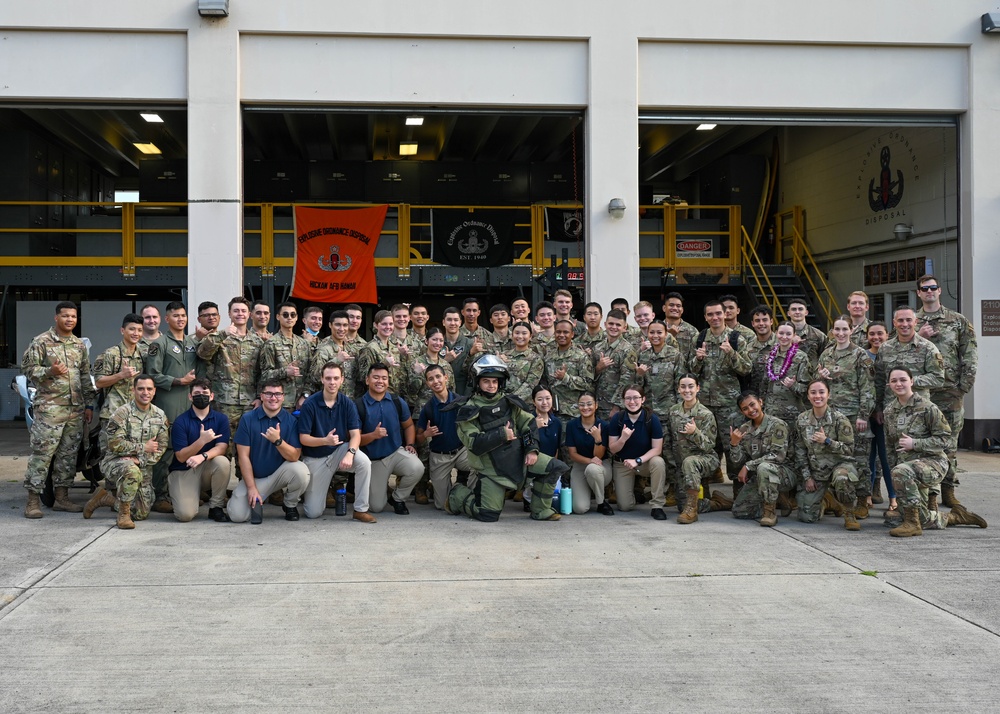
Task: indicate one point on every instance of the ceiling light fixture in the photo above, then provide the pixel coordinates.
(414, 121)
(408, 148)
(152, 118)
(706, 127)
(146, 148)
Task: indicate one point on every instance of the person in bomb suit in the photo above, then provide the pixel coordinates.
(500, 434)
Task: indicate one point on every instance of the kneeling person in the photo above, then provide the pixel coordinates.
(268, 448)
(501, 436)
(761, 445)
(200, 439)
(136, 439)
(387, 437)
(330, 432)
(436, 425)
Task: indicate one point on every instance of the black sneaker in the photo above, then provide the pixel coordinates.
(658, 514)
(215, 513)
(605, 509)
(398, 506)
(291, 514)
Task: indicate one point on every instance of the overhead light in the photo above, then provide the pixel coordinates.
(414, 121)
(616, 207)
(213, 8)
(152, 118)
(901, 231)
(146, 148)
(408, 148)
(706, 127)
(991, 22)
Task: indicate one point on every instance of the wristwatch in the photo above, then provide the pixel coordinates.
(828, 442)
(352, 450)
(638, 460)
(279, 441)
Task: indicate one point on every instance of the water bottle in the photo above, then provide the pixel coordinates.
(341, 501)
(555, 496)
(566, 501)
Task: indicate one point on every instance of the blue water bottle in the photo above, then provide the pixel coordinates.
(566, 501)
(341, 501)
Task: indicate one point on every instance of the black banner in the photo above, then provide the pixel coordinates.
(483, 239)
(564, 224)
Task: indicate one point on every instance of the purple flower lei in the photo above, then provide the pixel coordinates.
(784, 367)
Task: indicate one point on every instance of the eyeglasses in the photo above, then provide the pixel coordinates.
(289, 314)
(272, 395)
(208, 314)
(928, 288)
(586, 404)
(633, 399)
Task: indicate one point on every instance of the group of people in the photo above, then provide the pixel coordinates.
(616, 414)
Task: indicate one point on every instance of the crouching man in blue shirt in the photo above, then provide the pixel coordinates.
(438, 427)
(330, 432)
(267, 445)
(200, 439)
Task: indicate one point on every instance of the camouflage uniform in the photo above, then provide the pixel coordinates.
(691, 457)
(660, 382)
(329, 351)
(279, 352)
(233, 363)
(786, 403)
(526, 371)
(763, 451)
(608, 385)
(812, 342)
(462, 363)
(748, 334)
(388, 354)
(579, 378)
(587, 341)
(686, 337)
(829, 465)
(719, 375)
(419, 391)
(956, 341)
(128, 430)
(852, 393)
(112, 361)
(756, 348)
(60, 403)
(915, 472)
(920, 356)
(500, 344)
(542, 343)
(859, 334)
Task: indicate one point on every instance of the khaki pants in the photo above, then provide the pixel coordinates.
(655, 469)
(588, 481)
(186, 486)
(321, 471)
(441, 466)
(291, 476)
(405, 465)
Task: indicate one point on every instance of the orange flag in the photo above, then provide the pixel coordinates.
(335, 253)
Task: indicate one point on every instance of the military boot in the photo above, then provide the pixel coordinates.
(932, 501)
(960, 516)
(670, 497)
(720, 502)
(125, 515)
(33, 509)
(690, 512)
(831, 505)
(787, 504)
(948, 496)
(911, 524)
(420, 495)
(877, 492)
(62, 502)
(850, 518)
(277, 498)
(861, 509)
(770, 518)
(98, 500)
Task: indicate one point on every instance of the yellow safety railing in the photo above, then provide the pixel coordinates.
(758, 275)
(791, 249)
(669, 233)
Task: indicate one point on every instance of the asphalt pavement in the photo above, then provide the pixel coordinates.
(434, 613)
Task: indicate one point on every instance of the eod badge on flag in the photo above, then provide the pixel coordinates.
(483, 239)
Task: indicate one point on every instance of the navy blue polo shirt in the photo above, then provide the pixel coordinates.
(384, 411)
(641, 440)
(187, 428)
(448, 439)
(317, 419)
(265, 458)
(580, 439)
(550, 436)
